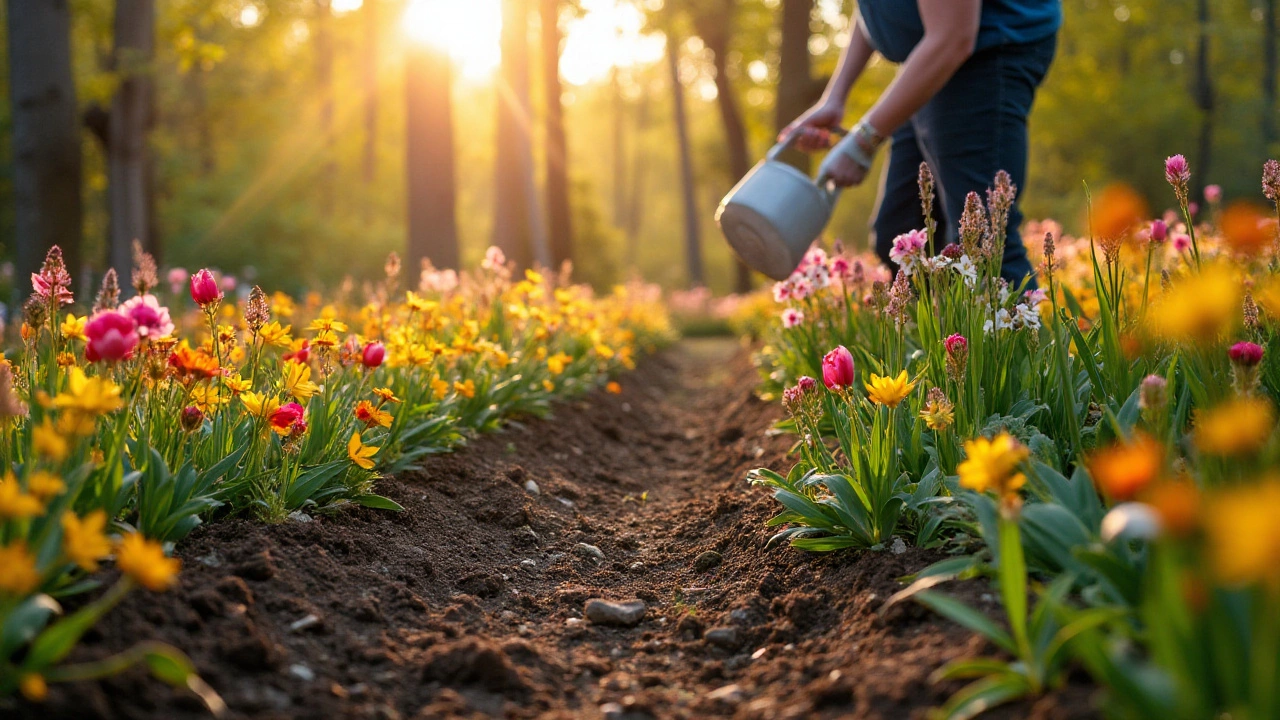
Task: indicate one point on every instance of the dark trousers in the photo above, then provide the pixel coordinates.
(975, 126)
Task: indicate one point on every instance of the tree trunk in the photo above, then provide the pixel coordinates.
(200, 119)
(369, 81)
(46, 137)
(1269, 109)
(132, 115)
(635, 199)
(796, 87)
(559, 216)
(692, 240)
(515, 215)
(715, 33)
(1204, 97)
(619, 150)
(432, 191)
(324, 85)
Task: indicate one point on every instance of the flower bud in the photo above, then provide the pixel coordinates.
(1159, 231)
(1245, 354)
(191, 418)
(1153, 393)
(374, 354)
(952, 251)
(837, 368)
(957, 349)
(204, 288)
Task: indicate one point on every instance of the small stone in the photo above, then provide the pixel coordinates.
(707, 560)
(302, 672)
(304, 623)
(532, 487)
(637, 565)
(729, 694)
(759, 653)
(757, 452)
(611, 711)
(725, 637)
(299, 516)
(588, 551)
(898, 547)
(211, 560)
(529, 562)
(620, 614)
(740, 616)
(566, 501)
(572, 622)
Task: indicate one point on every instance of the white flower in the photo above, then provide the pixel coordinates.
(1027, 316)
(791, 317)
(1131, 521)
(967, 270)
(1003, 321)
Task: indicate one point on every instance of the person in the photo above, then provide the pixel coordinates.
(959, 102)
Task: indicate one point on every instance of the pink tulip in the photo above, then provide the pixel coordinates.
(1245, 354)
(837, 368)
(374, 354)
(204, 288)
(112, 336)
(1159, 231)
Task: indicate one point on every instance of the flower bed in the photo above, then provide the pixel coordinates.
(126, 427)
(1109, 438)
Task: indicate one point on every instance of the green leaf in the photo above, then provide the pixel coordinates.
(958, 612)
(379, 502)
(24, 622)
(1012, 573)
(971, 668)
(979, 697)
(169, 665)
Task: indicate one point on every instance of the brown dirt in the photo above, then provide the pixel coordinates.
(469, 604)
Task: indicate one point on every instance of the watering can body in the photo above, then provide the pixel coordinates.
(774, 214)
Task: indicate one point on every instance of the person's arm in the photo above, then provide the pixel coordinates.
(829, 111)
(950, 33)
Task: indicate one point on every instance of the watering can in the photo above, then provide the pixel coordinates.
(774, 214)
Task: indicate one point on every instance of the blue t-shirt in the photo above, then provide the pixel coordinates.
(895, 26)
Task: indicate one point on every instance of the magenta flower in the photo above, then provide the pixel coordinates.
(806, 383)
(907, 247)
(374, 354)
(286, 417)
(1181, 242)
(1212, 193)
(204, 288)
(151, 317)
(837, 368)
(1177, 171)
(111, 335)
(1159, 231)
(956, 344)
(177, 278)
(791, 317)
(1245, 354)
(53, 281)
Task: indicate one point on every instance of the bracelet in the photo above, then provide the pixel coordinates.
(869, 136)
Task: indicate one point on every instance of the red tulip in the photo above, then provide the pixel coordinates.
(837, 368)
(374, 354)
(204, 288)
(112, 336)
(284, 419)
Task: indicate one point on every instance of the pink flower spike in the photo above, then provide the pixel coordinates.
(1177, 171)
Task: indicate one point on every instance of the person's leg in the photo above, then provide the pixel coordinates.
(898, 206)
(976, 126)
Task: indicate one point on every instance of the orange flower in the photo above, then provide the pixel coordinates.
(1178, 505)
(372, 416)
(191, 365)
(1123, 470)
(1117, 210)
(1245, 229)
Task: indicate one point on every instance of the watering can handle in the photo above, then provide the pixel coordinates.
(821, 180)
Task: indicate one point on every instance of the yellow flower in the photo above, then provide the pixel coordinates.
(92, 396)
(534, 277)
(48, 442)
(208, 398)
(236, 384)
(613, 388)
(1200, 307)
(282, 305)
(20, 575)
(273, 333)
(993, 465)
(14, 503)
(360, 453)
(604, 351)
(33, 687)
(386, 395)
(889, 391)
(501, 359)
(73, 327)
(326, 324)
(325, 338)
(1242, 533)
(465, 389)
(548, 386)
(439, 388)
(1237, 427)
(556, 363)
(144, 561)
(371, 416)
(258, 405)
(65, 359)
(45, 485)
(1122, 471)
(297, 380)
(938, 413)
(84, 540)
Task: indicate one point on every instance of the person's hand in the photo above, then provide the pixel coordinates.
(815, 127)
(845, 172)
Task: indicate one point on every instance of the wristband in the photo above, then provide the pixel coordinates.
(870, 137)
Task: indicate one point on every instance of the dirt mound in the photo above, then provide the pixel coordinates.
(469, 604)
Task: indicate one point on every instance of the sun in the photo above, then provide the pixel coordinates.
(471, 32)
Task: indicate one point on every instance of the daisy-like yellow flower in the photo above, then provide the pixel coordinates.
(417, 303)
(372, 416)
(501, 359)
(992, 465)
(889, 391)
(145, 563)
(439, 388)
(1200, 307)
(84, 539)
(73, 327)
(557, 363)
(327, 324)
(548, 386)
(208, 398)
(1237, 427)
(325, 339)
(92, 396)
(275, 334)
(20, 575)
(282, 305)
(49, 443)
(236, 384)
(361, 454)
(386, 395)
(16, 504)
(604, 351)
(1243, 536)
(938, 413)
(258, 405)
(465, 389)
(45, 485)
(297, 380)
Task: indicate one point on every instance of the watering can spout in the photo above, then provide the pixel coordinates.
(774, 214)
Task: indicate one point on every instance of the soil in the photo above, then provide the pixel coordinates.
(470, 603)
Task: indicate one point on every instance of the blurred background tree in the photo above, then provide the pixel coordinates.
(296, 142)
